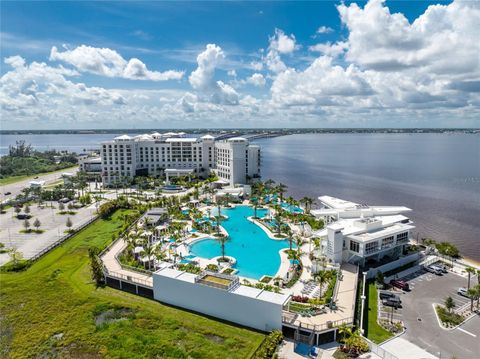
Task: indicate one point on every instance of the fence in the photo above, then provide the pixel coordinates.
(392, 265)
(61, 240)
(317, 327)
(378, 350)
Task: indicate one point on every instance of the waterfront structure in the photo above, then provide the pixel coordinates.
(234, 160)
(361, 233)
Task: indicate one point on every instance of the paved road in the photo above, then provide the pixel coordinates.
(17, 187)
(422, 327)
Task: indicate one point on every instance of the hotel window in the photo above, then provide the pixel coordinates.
(354, 246)
(387, 242)
(371, 247)
(402, 237)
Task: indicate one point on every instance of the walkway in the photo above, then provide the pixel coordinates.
(115, 269)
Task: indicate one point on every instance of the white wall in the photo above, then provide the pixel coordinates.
(247, 311)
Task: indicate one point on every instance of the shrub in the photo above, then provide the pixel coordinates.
(269, 346)
(17, 266)
(300, 299)
(212, 268)
(448, 318)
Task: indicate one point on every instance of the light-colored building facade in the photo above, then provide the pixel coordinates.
(231, 301)
(234, 160)
(361, 233)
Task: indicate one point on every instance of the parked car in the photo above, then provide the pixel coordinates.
(36, 177)
(462, 291)
(7, 193)
(400, 284)
(433, 269)
(391, 303)
(442, 267)
(23, 216)
(388, 295)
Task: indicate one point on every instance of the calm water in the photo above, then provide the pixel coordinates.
(437, 175)
(255, 252)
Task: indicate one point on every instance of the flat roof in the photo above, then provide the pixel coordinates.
(181, 139)
(243, 290)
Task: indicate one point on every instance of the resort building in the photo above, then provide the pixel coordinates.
(362, 233)
(221, 296)
(173, 154)
(90, 165)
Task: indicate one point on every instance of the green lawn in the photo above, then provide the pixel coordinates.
(13, 179)
(50, 310)
(373, 330)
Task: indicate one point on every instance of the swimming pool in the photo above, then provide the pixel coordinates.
(256, 254)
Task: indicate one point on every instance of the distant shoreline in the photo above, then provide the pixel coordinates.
(279, 131)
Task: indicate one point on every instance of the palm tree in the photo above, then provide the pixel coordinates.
(470, 271)
(222, 239)
(307, 201)
(321, 278)
(255, 207)
(148, 250)
(345, 331)
(472, 294)
(478, 276)
(281, 189)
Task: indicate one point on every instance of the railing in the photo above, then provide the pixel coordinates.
(378, 350)
(320, 327)
(234, 281)
(128, 278)
(61, 240)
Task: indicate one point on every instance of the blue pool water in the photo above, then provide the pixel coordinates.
(256, 253)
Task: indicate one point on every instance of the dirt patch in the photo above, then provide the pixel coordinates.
(112, 315)
(215, 338)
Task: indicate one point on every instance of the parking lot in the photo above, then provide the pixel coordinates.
(421, 323)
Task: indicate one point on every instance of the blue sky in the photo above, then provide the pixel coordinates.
(269, 64)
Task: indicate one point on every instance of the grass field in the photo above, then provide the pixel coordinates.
(373, 330)
(13, 179)
(54, 310)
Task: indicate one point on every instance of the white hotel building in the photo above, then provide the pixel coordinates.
(234, 160)
(360, 233)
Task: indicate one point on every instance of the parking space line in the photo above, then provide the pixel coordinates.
(466, 332)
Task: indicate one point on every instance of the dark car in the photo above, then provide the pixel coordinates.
(7, 193)
(388, 295)
(400, 284)
(23, 216)
(391, 303)
(36, 177)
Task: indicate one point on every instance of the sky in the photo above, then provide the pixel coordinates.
(254, 64)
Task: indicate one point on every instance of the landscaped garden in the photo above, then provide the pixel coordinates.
(373, 330)
(53, 309)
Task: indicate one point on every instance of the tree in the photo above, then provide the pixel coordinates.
(61, 206)
(69, 224)
(222, 239)
(345, 331)
(27, 209)
(447, 249)
(70, 206)
(321, 277)
(449, 304)
(26, 224)
(472, 294)
(37, 223)
(17, 210)
(15, 255)
(281, 189)
(470, 271)
(380, 278)
(96, 267)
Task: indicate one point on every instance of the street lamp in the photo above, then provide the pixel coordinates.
(363, 301)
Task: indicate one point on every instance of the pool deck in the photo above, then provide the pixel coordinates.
(346, 297)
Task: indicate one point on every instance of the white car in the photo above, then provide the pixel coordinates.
(462, 291)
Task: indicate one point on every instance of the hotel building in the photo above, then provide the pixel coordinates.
(234, 160)
(360, 233)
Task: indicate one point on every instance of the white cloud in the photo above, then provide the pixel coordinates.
(282, 43)
(256, 80)
(107, 62)
(329, 49)
(324, 30)
(203, 80)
